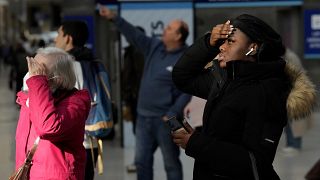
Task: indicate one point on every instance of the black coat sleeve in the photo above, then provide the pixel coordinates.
(189, 74)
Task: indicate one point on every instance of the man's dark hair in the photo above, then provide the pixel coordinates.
(78, 30)
(183, 30)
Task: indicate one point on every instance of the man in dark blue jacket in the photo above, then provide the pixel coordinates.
(158, 98)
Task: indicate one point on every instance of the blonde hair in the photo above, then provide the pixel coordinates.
(62, 67)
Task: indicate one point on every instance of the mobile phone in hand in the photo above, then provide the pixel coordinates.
(174, 124)
(186, 125)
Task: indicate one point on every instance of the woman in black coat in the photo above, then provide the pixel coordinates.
(246, 101)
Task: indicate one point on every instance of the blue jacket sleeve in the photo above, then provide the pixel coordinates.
(178, 106)
(134, 36)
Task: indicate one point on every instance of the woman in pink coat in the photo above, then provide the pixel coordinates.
(54, 111)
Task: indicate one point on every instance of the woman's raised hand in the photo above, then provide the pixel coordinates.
(106, 12)
(35, 68)
(220, 33)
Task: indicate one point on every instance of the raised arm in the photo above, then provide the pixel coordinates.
(133, 35)
(50, 121)
(189, 74)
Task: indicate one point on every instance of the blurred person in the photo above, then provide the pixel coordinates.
(20, 66)
(158, 98)
(132, 73)
(72, 36)
(52, 109)
(27, 44)
(34, 45)
(41, 43)
(245, 113)
(1, 54)
(295, 128)
(7, 52)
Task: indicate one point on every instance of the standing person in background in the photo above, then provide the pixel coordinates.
(41, 43)
(295, 127)
(26, 43)
(52, 109)
(132, 73)
(158, 98)
(1, 54)
(20, 66)
(244, 115)
(72, 36)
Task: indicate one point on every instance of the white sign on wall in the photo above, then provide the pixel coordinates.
(153, 17)
(315, 22)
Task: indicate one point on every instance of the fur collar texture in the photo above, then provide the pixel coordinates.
(302, 98)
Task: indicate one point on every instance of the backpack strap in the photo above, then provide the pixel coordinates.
(99, 164)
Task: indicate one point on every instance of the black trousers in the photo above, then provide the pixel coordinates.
(89, 173)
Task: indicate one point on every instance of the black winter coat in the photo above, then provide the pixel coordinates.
(246, 115)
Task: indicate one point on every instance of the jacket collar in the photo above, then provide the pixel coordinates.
(253, 70)
(82, 54)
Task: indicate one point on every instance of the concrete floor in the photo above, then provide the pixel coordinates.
(116, 158)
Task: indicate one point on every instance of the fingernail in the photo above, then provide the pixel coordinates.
(228, 22)
(231, 30)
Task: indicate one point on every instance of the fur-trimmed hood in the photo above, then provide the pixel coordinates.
(302, 98)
